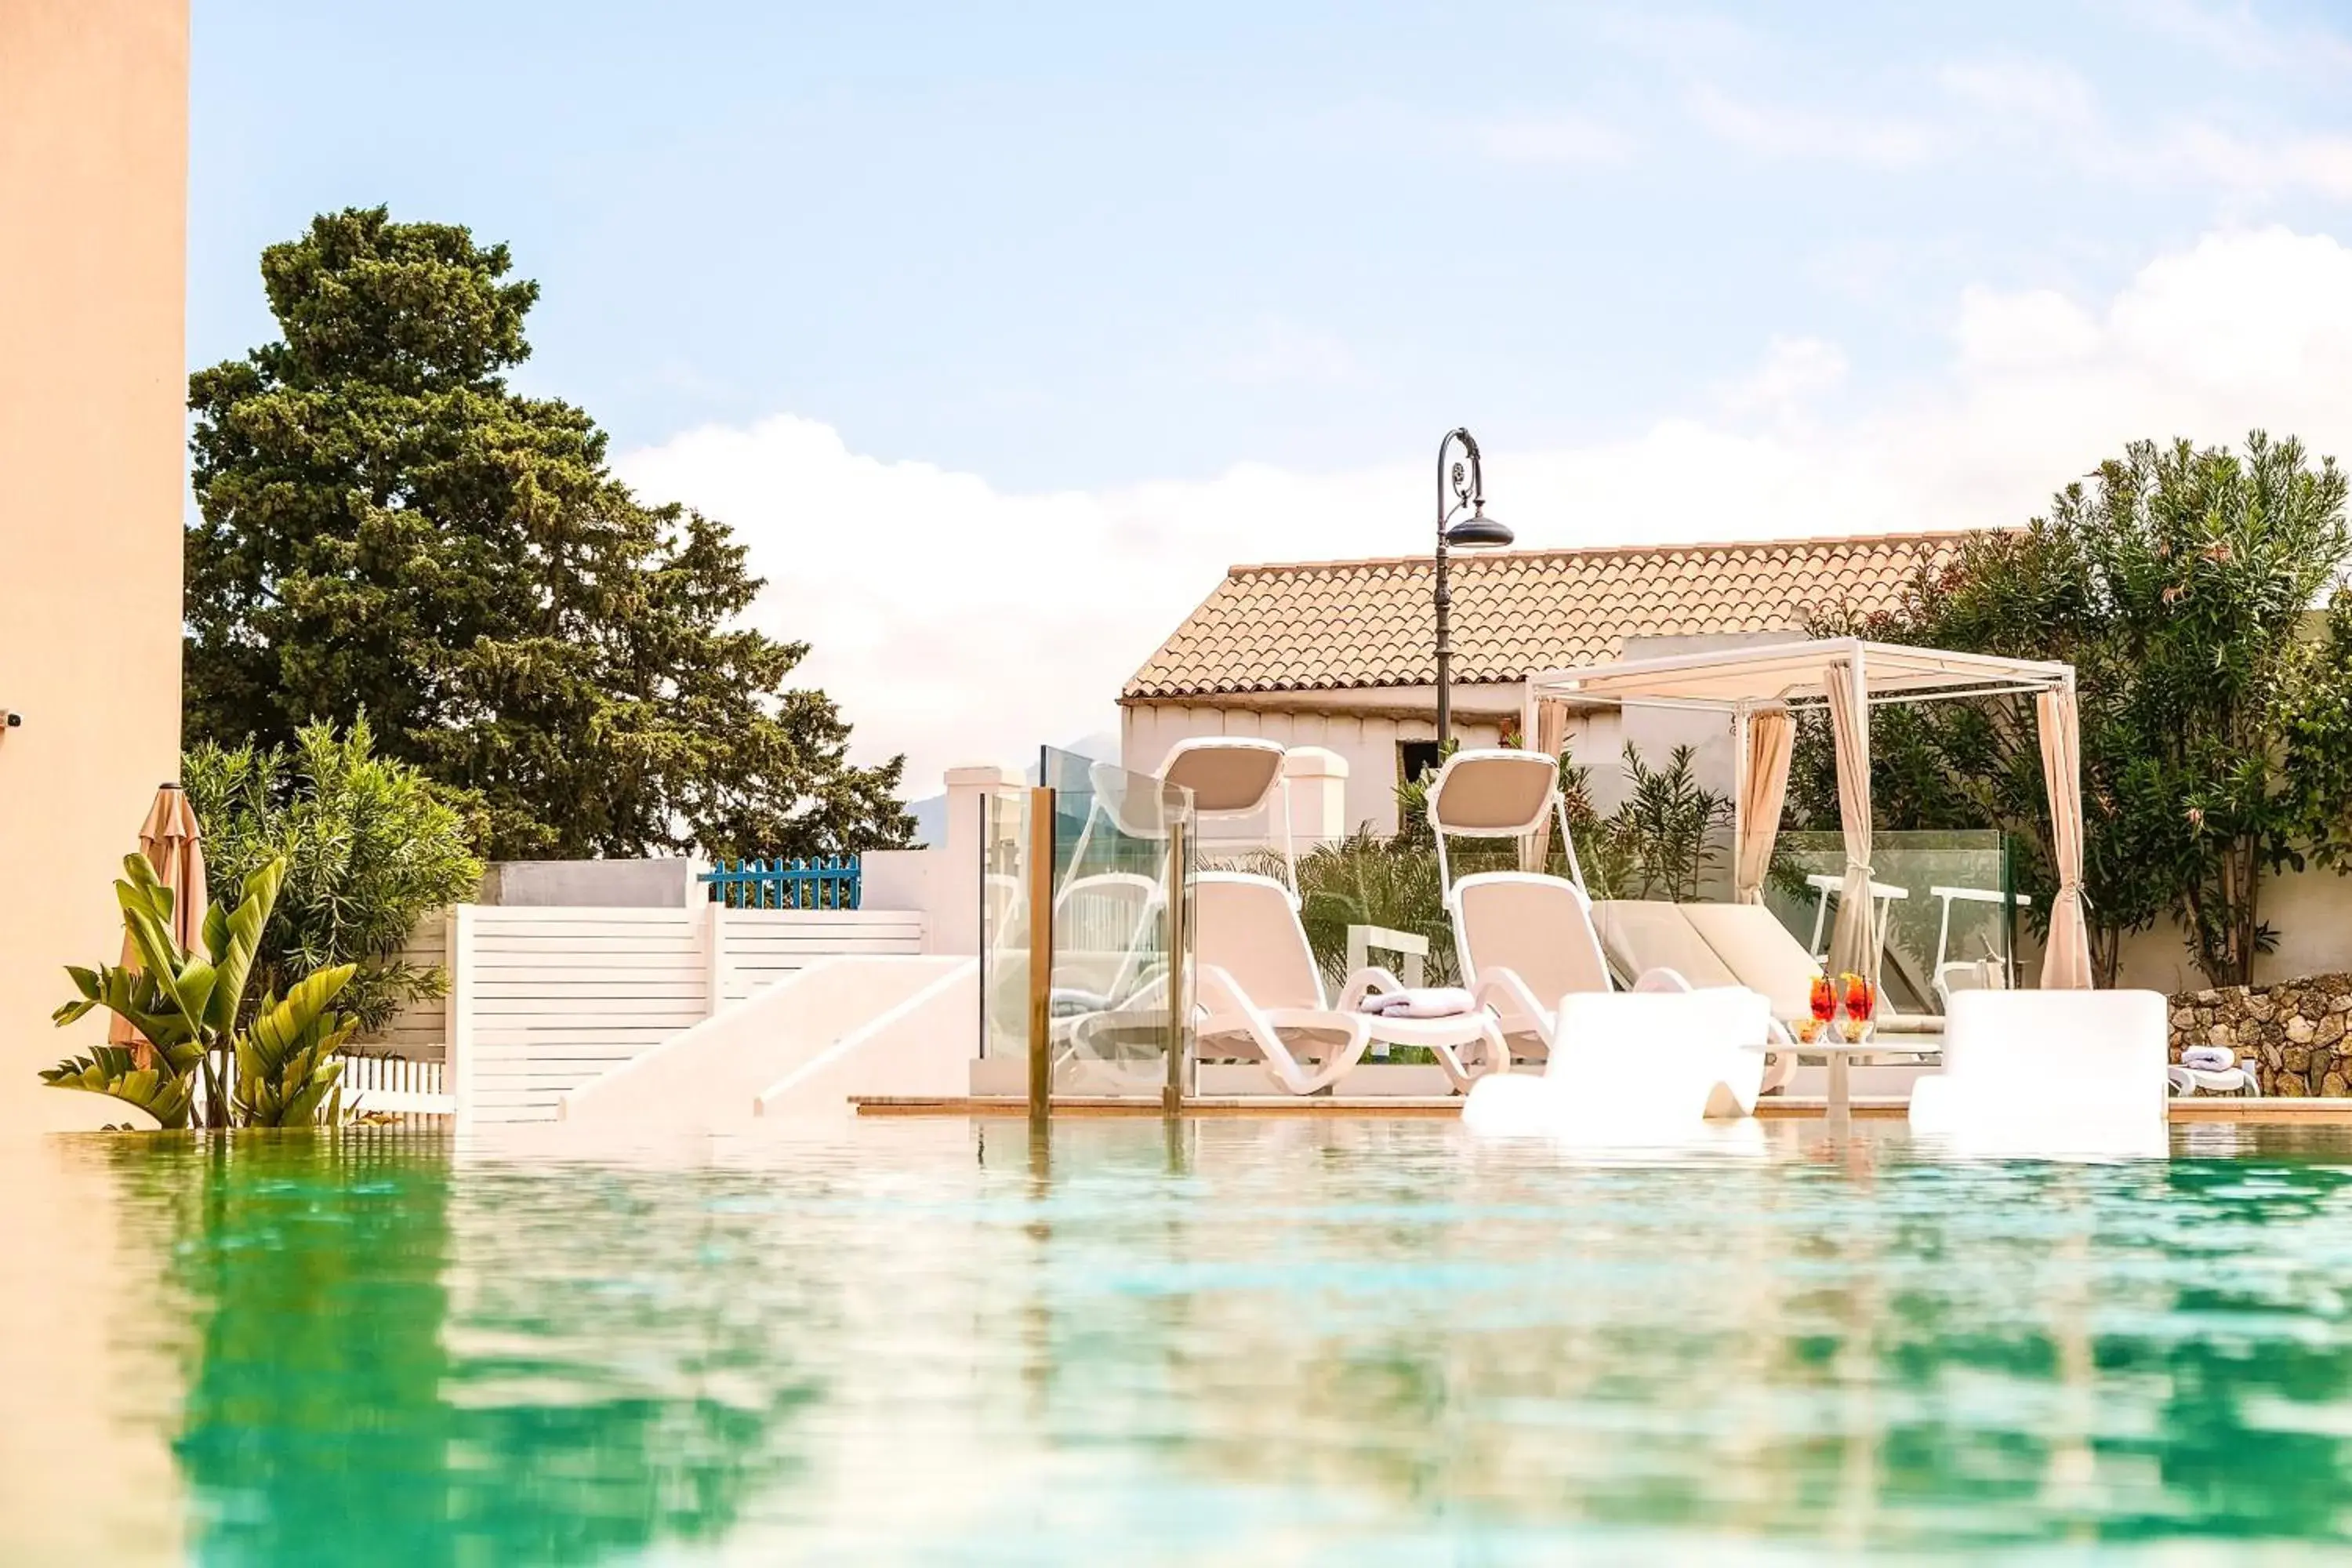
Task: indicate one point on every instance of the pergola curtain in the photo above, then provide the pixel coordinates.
(2066, 960)
(1763, 786)
(1551, 737)
(1853, 946)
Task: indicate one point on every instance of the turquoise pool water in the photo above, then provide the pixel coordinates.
(1252, 1342)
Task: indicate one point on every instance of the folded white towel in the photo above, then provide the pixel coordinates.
(2208, 1059)
(1420, 1001)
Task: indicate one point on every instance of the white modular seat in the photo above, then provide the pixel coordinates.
(2047, 1059)
(1634, 1066)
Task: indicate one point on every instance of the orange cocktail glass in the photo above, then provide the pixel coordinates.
(1860, 1000)
(1824, 1001)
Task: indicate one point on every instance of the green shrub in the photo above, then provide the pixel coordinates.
(370, 847)
(1659, 844)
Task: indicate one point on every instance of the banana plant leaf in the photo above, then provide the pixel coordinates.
(285, 1060)
(133, 994)
(188, 1004)
(163, 1093)
(241, 939)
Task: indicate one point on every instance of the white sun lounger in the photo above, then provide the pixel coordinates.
(1725, 944)
(1526, 939)
(2188, 1082)
(1642, 934)
(1260, 996)
(1737, 945)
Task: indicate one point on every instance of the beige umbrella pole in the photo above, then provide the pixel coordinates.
(173, 845)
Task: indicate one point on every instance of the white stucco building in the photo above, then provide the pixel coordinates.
(1342, 654)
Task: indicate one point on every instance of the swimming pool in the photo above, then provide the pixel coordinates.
(1301, 1339)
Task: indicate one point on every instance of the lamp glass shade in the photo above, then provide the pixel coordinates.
(1477, 532)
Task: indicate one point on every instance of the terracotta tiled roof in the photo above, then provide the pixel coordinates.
(1337, 624)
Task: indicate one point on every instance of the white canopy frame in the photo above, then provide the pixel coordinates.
(1759, 684)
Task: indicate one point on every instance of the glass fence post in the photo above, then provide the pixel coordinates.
(1040, 955)
(2008, 915)
(1179, 1002)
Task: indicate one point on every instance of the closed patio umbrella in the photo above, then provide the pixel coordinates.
(173, 845)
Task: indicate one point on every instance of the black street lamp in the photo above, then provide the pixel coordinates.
(1458, 487)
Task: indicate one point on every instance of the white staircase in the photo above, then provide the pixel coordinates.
(842, 1027)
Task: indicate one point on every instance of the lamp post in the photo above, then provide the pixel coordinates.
(1461, 485)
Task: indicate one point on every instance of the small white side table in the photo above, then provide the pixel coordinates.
(1840, 1054)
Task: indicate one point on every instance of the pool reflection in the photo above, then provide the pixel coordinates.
(1312, 1336)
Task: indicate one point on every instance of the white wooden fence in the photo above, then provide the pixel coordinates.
(420, 1031)
(545, 999)
(753, 948)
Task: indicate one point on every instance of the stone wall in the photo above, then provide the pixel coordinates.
(2293, 1034)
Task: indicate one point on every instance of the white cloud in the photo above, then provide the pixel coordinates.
(1778, 131)
(1556, 139)
(2046, 113)
(2235, 34)
(1794, 374)
(1279, 352)
(957, 622)
(2251, 166)
(1998, 333)
(2017, 89)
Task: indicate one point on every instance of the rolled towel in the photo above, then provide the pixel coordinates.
(2208, 1059)
(1069, 1001)
(1420, 1001)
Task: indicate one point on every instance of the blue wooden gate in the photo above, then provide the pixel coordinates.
(829, 882)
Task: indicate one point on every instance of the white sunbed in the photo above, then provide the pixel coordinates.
(1524, 941)
(1110, 989)
(1524, 937)
(1528, 943)
(1714, 945)
(2188, 1081)
(1260, 996)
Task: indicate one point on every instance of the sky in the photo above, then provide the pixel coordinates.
(998, 333)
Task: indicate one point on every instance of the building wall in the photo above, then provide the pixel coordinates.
(2312, 911)
(93, 378)
(1367, 742)
(669, 883)
(1369, 739)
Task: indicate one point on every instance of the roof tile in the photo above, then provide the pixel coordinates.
(1328, 626)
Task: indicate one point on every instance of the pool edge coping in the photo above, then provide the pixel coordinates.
(2294, 1112)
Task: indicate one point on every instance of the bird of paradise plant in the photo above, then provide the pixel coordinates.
(213, 1061)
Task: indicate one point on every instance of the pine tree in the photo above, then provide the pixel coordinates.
(387, 528)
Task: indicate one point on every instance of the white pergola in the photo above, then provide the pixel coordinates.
(1762, 686)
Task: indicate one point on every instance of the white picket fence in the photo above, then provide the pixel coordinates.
(397, 1086)
(544, 999)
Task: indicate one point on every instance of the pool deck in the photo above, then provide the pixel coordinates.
(2202, 1108)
